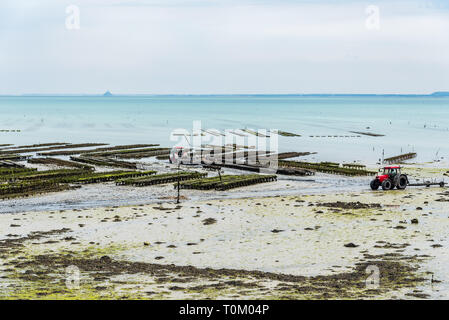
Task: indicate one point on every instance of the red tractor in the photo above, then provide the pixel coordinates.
(390, 178)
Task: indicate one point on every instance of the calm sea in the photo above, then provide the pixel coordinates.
(418, 124)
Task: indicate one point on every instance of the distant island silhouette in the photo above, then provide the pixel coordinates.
(109, 94)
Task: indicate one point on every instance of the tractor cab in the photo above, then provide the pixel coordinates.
(388, 173)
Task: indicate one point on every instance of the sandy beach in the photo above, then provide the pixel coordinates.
(287, 241)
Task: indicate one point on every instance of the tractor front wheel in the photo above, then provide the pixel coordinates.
(387, 184)
(375, 184)
(402, 182)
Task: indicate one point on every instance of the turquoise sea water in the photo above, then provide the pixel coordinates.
(419, 124)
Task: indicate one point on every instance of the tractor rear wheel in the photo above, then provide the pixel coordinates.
(387, 184)
(375, 184)
(402, 182)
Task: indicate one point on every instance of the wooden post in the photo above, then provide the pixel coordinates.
(179, 186)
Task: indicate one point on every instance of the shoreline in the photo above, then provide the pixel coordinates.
(107, 194)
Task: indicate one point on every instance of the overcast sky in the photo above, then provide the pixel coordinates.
(224, 46)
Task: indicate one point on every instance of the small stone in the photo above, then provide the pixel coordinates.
(350, 245)
(105, 259)
(414, 221)
(209, 221)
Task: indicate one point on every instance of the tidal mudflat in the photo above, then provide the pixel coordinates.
(286, 246)
(105, 223)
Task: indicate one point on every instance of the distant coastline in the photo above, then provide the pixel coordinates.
(108, 94)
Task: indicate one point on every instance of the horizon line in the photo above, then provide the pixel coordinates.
(108, 94)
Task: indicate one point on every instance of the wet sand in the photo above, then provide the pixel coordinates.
(310, 245)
